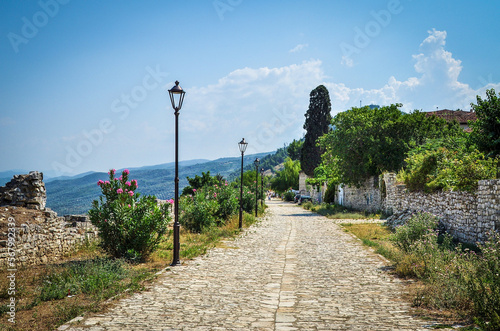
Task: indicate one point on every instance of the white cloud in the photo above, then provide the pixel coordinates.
(436, 84)
(264, 105)
(298, 48)
(267, 105)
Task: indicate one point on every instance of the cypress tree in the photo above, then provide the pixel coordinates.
(317, 123)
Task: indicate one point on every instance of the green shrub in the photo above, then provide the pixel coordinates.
(415, 228)
(288, 196)
(439, 165)
(330, 194)
(483, 283)
(212, 205)
(129, 225)
(307, 205)
(198, 211)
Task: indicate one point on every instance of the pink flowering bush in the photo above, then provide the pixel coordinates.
(129, 225)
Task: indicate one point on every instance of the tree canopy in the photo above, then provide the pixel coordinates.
(486, 130)
(317, 123)
(367, 141)
(200, 181)
(288, 177)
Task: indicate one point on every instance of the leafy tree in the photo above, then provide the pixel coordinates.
(486, 130)
(201, 181)
(294, 149)
(317, 123)
(366, 142)
(288, 177)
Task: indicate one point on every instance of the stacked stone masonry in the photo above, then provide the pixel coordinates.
(466, 216)
(366, 197)
(40, 235)
(24, 191)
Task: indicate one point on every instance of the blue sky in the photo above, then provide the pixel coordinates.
(83, 84)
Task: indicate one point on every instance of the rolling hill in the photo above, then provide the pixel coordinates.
(75, 195)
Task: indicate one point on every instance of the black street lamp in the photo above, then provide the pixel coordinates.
(256, 162)
(242, 145)
(176, 97)
(262, 187)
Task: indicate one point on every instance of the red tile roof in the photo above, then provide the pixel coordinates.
(461, 116)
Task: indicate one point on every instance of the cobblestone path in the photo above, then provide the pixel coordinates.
(293, 271)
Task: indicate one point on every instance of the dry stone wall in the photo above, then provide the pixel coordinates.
(466, 216)
(31, 233)
(366, 197)
(24, 191)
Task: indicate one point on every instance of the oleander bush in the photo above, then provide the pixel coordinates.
(130, 225)
(213, 205)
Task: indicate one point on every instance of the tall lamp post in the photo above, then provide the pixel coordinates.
(176, 97)
(256, 162)
(242, 145)
(262, 187)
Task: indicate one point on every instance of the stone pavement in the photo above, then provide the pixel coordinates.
(295, 270)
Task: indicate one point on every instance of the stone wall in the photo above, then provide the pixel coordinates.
(366, 197)
(31, 233)
(24, 191)
(466, 216)
(41, 236)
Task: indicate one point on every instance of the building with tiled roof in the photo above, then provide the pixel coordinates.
(462, 117)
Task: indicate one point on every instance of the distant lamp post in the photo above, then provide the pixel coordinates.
(176, 97)
(242, 145)
(256, 162)
(262, 187)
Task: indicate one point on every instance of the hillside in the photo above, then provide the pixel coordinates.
(75, 195)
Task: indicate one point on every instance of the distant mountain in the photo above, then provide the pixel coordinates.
(6, 176)
(51, 179)
(75, 195)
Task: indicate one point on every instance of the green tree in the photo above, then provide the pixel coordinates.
(294, 149)
(288, 177)
(201, 181)
(317, 123)
(486, 130)
(366, 142)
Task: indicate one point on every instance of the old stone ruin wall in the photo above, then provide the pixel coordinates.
(366, 197)
(38, 236)
(466, 216)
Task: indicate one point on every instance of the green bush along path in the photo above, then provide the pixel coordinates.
(294, 270)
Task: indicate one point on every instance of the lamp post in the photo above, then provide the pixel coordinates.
(262, 187)
(176, 97)
(256, 162)
(242, 145)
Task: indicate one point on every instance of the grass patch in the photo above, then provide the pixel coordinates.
(338, 212)
(373, 235)
(50, 295)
